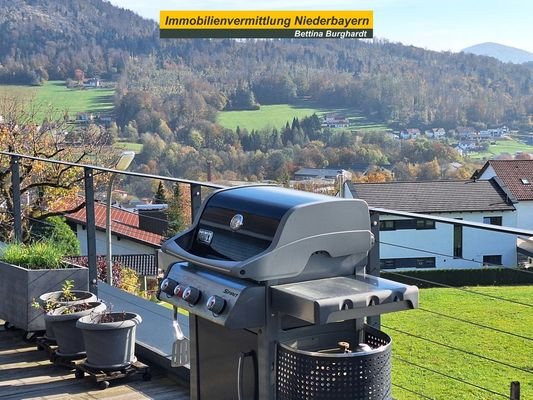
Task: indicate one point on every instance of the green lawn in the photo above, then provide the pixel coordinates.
(511, 350)
(272, 116)
(276, 116)
(24, 93)
(502, 146)
(58, 96)
(136, 147)
(53, 99)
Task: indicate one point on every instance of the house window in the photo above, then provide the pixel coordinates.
(387, 225)
(492, 260)
(525, 181)
(425, 224)
(492, 220)
(405, 224)
(388, 263)
(397, 224)
(420, 262)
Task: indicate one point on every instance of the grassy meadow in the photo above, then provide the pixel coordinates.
(513, 350)
(277, 115)
(411, 330)
(53, 99)
(510, 146)
(131, 146)
(271, 116)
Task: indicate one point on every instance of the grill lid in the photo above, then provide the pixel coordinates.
(267, 232)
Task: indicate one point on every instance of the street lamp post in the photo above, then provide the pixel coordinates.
(123, 163)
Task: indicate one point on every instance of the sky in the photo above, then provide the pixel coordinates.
(442, 25)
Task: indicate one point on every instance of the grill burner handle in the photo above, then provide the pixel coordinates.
(168, 285)
(240, 371)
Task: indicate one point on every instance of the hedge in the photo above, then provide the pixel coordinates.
(461, 277)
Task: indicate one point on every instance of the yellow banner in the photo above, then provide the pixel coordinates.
(266, 20)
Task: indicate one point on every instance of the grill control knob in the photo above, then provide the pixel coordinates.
(215, 304)
(191, 295)
(168, 285)
(178, 290)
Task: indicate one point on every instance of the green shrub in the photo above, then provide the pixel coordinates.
(460, 277)
(38, 255)
(57, 230)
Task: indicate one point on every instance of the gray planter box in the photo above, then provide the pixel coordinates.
(20, 286)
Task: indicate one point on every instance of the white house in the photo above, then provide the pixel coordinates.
(435, 133)
(498, 132)
(466, 132)
(485, 134)
(516, 177)
(321, 173)
(334, 120)
(410, 133)
(419, 243)
(92, 82)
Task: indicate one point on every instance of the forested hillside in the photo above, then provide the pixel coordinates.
(49, 39)
(169, 91)
(46, 39)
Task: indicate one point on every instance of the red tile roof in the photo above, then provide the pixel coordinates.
(124, 224)
(514, 174)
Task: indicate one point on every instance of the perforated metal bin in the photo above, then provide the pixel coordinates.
(323, 371)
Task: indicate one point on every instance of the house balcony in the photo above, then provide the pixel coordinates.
(26, 372)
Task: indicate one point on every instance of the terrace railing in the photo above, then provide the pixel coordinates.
(198, 189)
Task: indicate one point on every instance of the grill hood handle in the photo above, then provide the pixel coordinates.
(173, 248)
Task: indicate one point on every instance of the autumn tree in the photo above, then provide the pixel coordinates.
(48, 189)
(377, 175)
(79, 75)
(429, 171)
(405, 171)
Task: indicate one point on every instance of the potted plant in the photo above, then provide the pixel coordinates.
(109, 339)
(63, 323)
(65, 297)
(28, 271)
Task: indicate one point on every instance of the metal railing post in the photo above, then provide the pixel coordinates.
(196, 199)
(17, 207)
(91, 229)
(515, 391)
(373, 265)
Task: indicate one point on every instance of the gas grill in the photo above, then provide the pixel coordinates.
(275, 285)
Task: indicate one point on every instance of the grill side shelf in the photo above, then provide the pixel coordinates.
(338, 299)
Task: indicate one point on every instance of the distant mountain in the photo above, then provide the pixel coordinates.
(500, 52)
